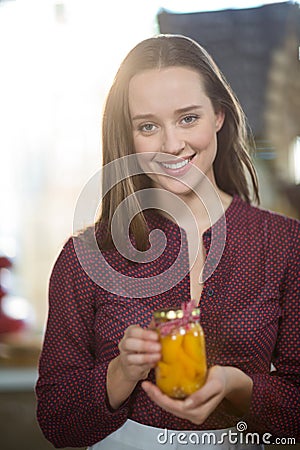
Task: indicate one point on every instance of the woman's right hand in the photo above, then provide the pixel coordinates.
(139, 352)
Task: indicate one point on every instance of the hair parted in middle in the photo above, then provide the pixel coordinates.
(232, 162)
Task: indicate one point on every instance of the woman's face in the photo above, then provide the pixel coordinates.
(174, 125)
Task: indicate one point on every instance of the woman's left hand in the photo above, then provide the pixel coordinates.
(222, 382)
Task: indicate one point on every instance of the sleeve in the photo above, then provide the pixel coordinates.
(275, 404)
(72, 404)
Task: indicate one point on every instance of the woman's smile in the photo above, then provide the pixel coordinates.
(173, 120)
(179, 166)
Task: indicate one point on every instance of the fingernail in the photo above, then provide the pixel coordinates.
(188, 402)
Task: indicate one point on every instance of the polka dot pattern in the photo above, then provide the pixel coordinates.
(249, 312)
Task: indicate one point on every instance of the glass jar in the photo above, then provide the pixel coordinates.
(182, 368)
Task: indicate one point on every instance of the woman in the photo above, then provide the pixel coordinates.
(172, 110)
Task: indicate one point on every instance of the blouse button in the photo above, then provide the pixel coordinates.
(210, 292)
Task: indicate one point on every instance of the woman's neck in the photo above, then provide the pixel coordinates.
(202, 209)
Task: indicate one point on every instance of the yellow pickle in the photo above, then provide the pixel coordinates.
(182, 368)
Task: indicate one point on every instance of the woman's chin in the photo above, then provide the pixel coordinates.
(176, 187)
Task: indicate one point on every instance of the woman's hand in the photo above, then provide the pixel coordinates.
(139, 352)
(222, 382)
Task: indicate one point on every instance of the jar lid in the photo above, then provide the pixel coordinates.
(172, 313)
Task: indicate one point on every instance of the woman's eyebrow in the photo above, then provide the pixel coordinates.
(143, 116)
(188, 108)
(177, 111)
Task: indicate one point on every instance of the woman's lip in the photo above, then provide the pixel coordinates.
(178, 160)
(181, 170)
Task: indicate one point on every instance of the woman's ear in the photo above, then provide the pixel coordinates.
(220, 117)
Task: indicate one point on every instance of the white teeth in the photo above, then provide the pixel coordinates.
(178, 165)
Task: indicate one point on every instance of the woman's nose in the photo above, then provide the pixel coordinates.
(172, 142)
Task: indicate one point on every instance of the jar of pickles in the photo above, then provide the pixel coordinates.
(182, 368)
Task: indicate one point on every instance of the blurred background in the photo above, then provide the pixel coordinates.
(58, 59)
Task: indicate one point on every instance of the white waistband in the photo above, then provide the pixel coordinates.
(136, 436)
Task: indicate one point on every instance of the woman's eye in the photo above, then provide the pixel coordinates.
(189, 119)
(147, 127)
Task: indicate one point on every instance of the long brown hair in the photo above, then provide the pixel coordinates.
(232, 162)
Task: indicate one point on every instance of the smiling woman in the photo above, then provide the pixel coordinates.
(181, 126)
(157, 80)
(173, 114)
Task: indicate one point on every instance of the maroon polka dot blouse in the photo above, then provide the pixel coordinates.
(249, 312)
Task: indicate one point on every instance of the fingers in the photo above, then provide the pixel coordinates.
(171, 405)
(137, 339)
(161, 399)
(141, 333)
(139, 352)
(139, 359)
(139, 345)
(198, 406)
(185, 409)
(211, 389)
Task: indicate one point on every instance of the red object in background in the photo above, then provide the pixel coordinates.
(7, 324)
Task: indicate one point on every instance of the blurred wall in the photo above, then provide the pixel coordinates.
(58, 60)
